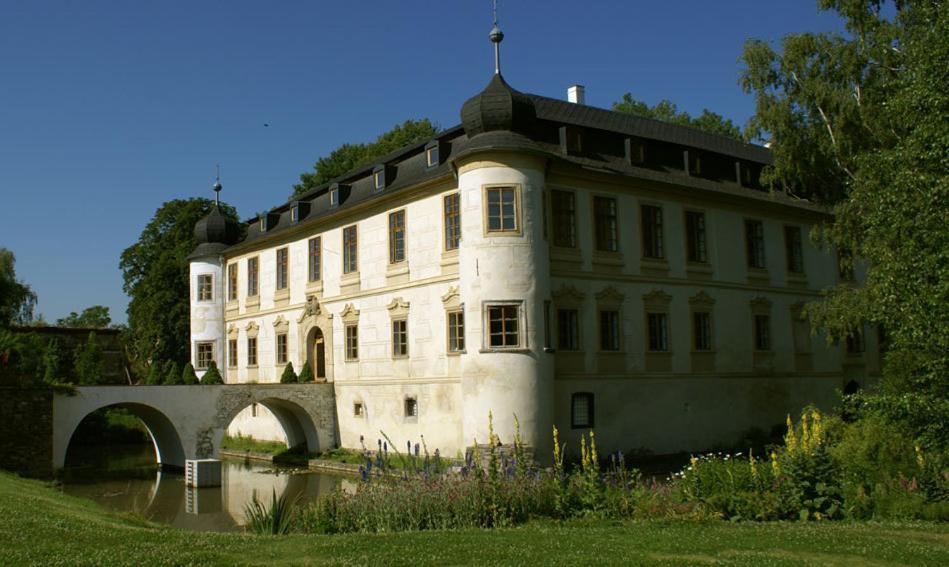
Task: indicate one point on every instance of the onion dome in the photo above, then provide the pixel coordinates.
(216, 228)
(498, 107)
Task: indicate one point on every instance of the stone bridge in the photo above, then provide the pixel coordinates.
(188, 422)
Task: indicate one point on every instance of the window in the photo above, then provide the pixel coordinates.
(564, 208)
(754, 242)
(568, 329)
(282, 254)
(282, 348)
(232, 353)
(609, 330)
(334, 197)
(855, 342)
(658, 331)
(397, 237)
(431, 155)
(652, 232)
(251, 351)
(352, 342)
(456, 331)
(357, 409)
(452, 221)
(349, 249)
(252, 273)
(503, 326)
(205, 287)
(502, 209)
(581, 410)
(793, 249)
(695, 243)
(232, 282)
(701, 331)
(379, 179)
(762, 332)
(205, 354)
(400, 339)
(604, 213)
(294, 214)
(411, 407)
(314, 257)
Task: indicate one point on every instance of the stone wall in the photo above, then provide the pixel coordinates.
(26, 431)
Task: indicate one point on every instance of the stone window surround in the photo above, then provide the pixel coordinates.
(350, 317)
(199, 288)
(451, 301)
(569, 297)
(399, 311)
(695, 269)
(702, 303)
(281, 327)
(591, 412)
(610, 299)
(518, 209)
(252, 330)
(521, 345)
(197, 354)
(410, 408)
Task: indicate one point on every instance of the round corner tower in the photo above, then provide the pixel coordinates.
(504, 278)
(213, 233)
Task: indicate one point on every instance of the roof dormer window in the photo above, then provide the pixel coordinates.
(299, 210)
(431, 154)
(334, 196)
(379, 178)
(263, 223)
(295, 214)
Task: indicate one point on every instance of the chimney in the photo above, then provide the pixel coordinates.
(576, 94)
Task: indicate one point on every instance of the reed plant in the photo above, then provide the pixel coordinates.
(275, 520)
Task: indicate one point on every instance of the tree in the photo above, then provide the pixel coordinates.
(95, 317)
(351, 156)
(155, 272)
(52, 363)
(667, 111)
(188, 376)
(88, 361)
(17, 300)
(306, 373)
(289, 376)
(154, 376)
(859, 122)
(212, 375)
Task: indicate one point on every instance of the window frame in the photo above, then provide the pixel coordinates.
(351, 342)
(571, 330)
(253, 276)
(590, 398)
(398, 236)
(282, 352)
(251, 352)
(410, 408)
(652, 232)
(755, 256)
(431, 151)
(456, 331)
(794, 249)
(762, 336)
(282, 268)
(616, 345)
(333, 195)
(205, 288)
(696, 245)
(564, 215)
(708, 343)
(350, 253)
(400, 337)
(521, 330)
(314, 262)
(232, 281)
(232, 353)
(661, 337)
(198, 358)
(486, 209)
(610, 230)
(451, 221)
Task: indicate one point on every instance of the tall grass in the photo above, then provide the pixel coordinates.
(275, 520)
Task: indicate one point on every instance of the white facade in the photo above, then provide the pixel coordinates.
(673, 399)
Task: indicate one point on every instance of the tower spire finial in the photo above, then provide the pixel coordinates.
(217, 186)
(497, 36)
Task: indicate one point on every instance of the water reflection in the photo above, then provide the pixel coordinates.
(125, 479)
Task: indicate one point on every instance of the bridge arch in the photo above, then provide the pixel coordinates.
(296, 421)
(169, 450)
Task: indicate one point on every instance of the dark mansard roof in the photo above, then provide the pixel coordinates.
(502, 118)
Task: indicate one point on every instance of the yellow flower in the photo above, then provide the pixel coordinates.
(753, 465)
(594, 458)
(790, 439)
(919, 457)
(774, 464)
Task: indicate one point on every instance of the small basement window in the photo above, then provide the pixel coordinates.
(357, 409)
(411, 407)
(581, 410)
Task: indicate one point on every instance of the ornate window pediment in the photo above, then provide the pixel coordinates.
(657, 299)
(398, 307)
(232, 331)
(349, 314)
(569, 296)
(452, 298)
(702, 299)
(610, 296)
(252, 329)
(761, 305)
(280, 324)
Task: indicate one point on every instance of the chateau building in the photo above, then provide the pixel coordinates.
(570, 265)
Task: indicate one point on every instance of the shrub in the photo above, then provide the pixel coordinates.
(188, 376)
(154, 376)
(306, 373)
(172, 374)
(52, 363)
(212, 376)
(88, 361)
(288, 376)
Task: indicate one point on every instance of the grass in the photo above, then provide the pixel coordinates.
(40, 526)
(241, 443)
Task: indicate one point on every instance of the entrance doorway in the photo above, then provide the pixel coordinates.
(316, 353)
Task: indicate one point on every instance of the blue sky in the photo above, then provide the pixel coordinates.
(109, 109)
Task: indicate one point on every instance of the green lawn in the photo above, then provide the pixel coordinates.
(40, 526)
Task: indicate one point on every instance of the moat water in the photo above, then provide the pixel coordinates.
(126, 479)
